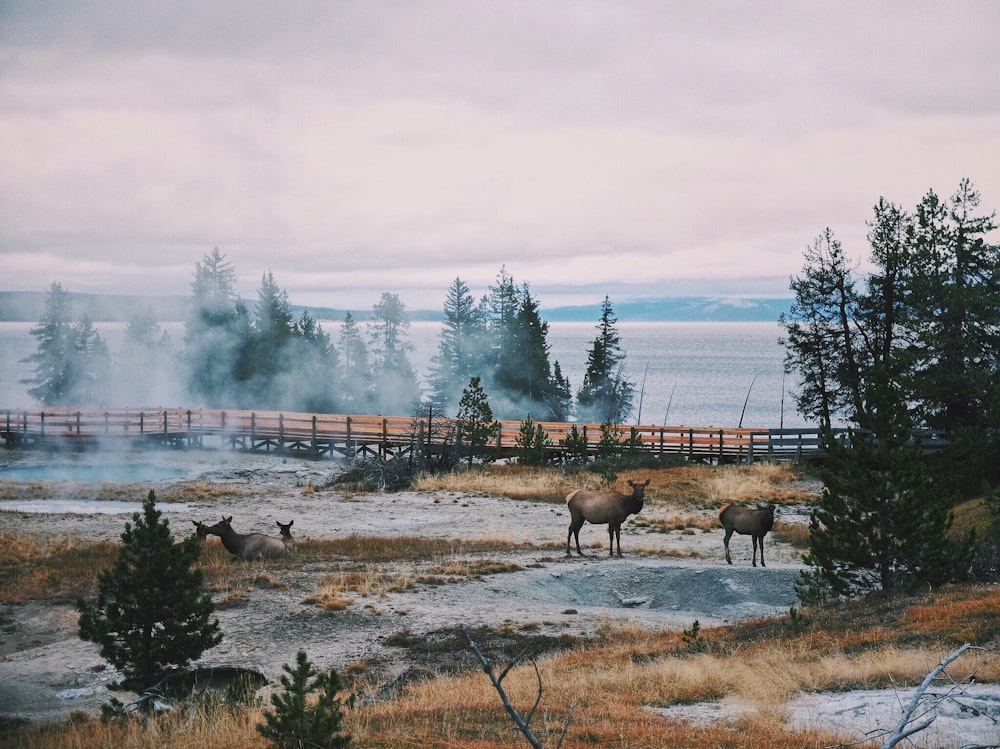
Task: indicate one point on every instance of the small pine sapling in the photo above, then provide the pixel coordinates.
(296, 722)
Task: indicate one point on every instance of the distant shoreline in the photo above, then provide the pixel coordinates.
(29, 306)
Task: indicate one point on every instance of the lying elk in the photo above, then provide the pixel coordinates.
(753, 522)
(603, 507)
(286, 535)
(251, 545)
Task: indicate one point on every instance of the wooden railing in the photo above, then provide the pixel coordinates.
(320, 435)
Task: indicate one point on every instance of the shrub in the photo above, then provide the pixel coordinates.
(296, 722)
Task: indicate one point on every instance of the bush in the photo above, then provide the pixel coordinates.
(151, 615)
(295, 722)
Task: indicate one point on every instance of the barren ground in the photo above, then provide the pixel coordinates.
(46, 671)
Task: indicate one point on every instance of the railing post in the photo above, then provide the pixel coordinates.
(281, 433)
(41, 424)
(165, 429)
(253, 428)
(142, 422)
(77, 423)
(750, 451)
(107, 423)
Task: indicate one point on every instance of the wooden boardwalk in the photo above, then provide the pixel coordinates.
(387, 437)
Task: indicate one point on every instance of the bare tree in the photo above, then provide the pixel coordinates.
(497, 679)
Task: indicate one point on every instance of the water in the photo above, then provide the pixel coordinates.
(687, 374)
(79, 506)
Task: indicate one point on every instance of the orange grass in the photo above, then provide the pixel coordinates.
(58, 570)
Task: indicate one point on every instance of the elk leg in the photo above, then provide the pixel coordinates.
(762, 551)
(729, 535)
(574, 530)
(755, 551)
(611, 541)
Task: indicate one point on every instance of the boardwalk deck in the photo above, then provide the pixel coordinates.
(388, 437)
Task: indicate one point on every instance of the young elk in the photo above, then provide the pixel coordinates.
(600, 508)
(200, 530)
(249, 545)
(747, 522)
(286, 535)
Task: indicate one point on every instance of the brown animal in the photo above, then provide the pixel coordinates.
(200, 530)
(600, 508)
(286, 535)
(249, 545)
(753, 522)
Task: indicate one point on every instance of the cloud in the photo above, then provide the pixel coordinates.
(356, 147)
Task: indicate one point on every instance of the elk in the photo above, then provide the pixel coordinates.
(600, 508)
(200, 530)
(286, 535)
(249, 545)
(753, 522)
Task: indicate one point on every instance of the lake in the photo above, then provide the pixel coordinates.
(685, 373)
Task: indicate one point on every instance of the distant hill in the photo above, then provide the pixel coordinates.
(29, 306)
(677, 309)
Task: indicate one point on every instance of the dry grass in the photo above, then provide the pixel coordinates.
(58, 570)
(686, 485)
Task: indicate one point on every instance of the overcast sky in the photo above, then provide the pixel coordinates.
(593, 148)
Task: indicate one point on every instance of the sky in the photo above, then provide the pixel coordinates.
(611, 148)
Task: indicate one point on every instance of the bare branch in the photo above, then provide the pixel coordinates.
(521, 723)
(904, 726)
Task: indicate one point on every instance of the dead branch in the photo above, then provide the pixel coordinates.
(904, 726)
(519, 721)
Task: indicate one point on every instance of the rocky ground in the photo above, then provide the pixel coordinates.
(46, 671)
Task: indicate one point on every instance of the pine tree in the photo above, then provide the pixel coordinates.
(879, 529)
(395, 382)
(151, 614)
(213, 336)
(477, 429)
(605, 396)
(355, 373)
(315, 385)
(297, 723)
(461, 347)
(72, 364)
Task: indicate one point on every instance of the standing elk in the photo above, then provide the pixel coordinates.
(753, 522)
(249, 545)
(600, 508)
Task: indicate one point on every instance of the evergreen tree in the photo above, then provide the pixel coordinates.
(605, 396)
(500, 308)
(151, 614)
(879, 528)
(145, 370)
(297, 723)
(315, 382)
(461, 346)
(477, 429)
(355, 371)
(266, 356)
(72, 364)
(91, 362)
(953, 312)
(216, 331)
(395, 382)
(883, 518)
(821, 339)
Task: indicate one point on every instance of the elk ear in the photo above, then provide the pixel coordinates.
(228, 520)
(647, 482)
(291, 523)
